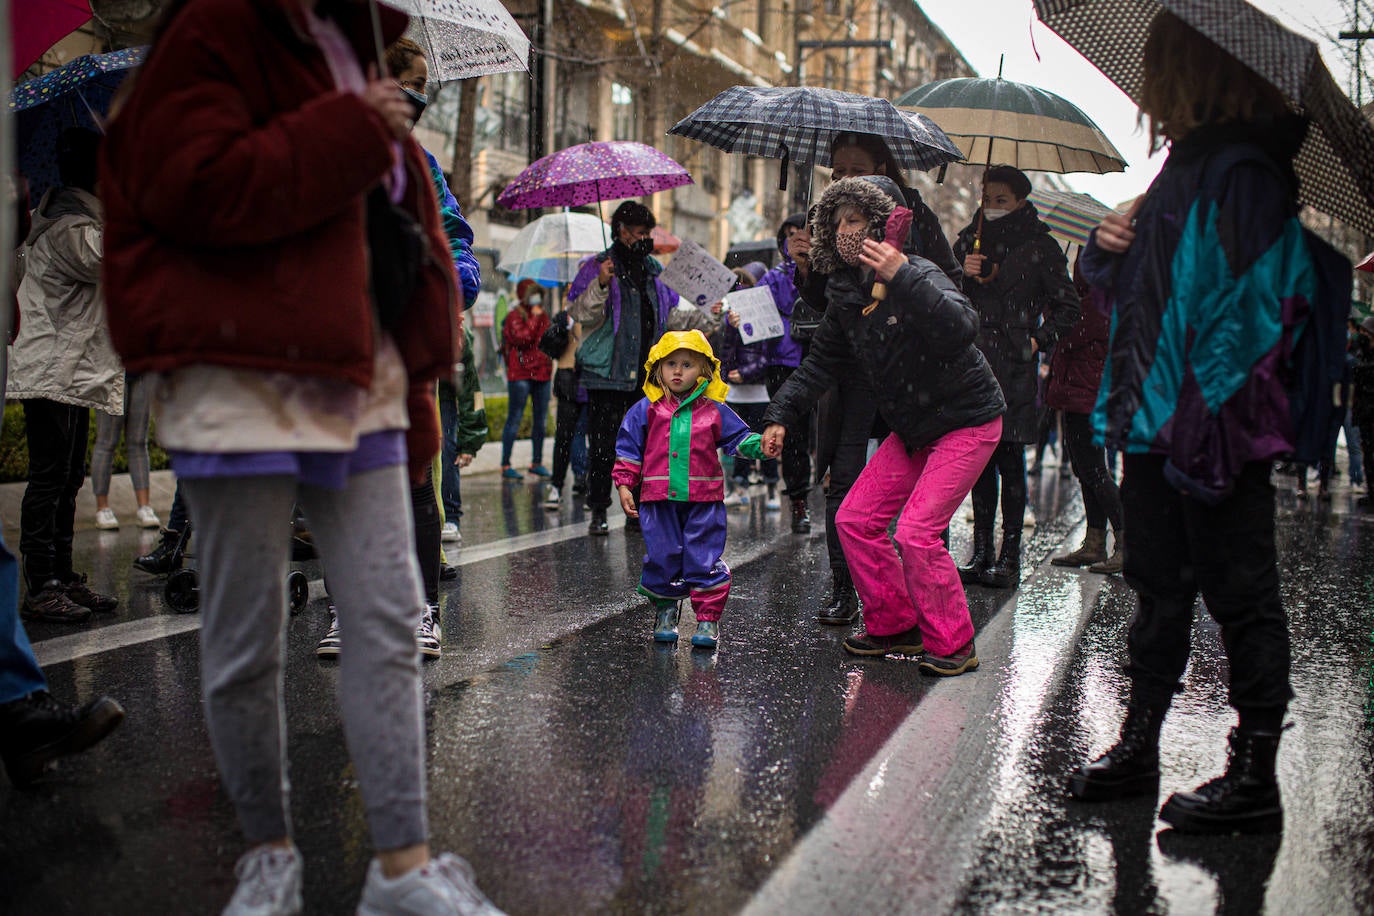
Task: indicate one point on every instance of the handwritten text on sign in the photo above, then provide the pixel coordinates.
(696, 276)
(758, 314)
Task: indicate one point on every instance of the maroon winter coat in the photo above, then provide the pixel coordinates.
(233, 181)
(520, 333)
(1077, 360)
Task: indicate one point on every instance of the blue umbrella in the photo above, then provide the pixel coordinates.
(75, 95)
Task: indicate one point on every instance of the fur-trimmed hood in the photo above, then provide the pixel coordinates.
(875, 195)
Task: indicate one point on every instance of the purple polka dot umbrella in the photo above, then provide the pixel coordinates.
(591, 173)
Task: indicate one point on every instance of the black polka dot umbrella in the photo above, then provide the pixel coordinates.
(1335, 165)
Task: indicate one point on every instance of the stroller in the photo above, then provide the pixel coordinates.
(182, 591)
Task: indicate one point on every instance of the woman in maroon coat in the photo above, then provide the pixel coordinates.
(528, 371)
(1075, 373)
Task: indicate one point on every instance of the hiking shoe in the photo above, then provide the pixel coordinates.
(907, 642)
(538, 470)
(450, 534)
(961, 660)
(552, 499)
(51, 603)
(443, 885)
(707, 634)
(329, 646)
(428, 635)
(81, 593)
(510, 473)
(147, 517)
(269, 882)
(163, 558)
(105, 519)
(36, 730)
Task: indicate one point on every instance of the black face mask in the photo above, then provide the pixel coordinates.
(418, 102)
(642, 248)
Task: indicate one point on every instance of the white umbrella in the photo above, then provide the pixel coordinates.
(465, 38)
(550, 248)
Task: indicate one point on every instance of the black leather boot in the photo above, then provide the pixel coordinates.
(981, 559)
(164, 558)
(1131, 767)
(844, 601)
(1244, 800)
(1006, 572)
(801, 516)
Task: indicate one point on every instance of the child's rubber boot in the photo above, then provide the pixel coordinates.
(707, 634)
(665, 621)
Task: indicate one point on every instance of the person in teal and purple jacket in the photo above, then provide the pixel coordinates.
(668, 449)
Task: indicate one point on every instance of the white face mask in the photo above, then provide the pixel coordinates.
(994, 214)
(535, 300)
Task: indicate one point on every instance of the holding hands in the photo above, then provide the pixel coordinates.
(773, 436)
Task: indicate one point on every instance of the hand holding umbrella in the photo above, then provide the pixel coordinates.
(886, 257)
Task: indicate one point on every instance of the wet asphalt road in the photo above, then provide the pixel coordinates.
(583, 770)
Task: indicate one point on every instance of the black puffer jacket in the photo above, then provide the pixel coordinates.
(1031, 283)
(915, 350)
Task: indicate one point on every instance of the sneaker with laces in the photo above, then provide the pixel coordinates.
(269, 882)
(81, 593)
(907, 642)
(428, 636)
(36, 730)
(510, 473)
(51, 603)
(737, 499)
(444, 885)
(552, 498)
(538, 470)
(450, 533)
(329, 646)
(147, 518)
(106, 520)
(957, 662)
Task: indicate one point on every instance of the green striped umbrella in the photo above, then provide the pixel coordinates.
(997, 120)
(1070, 216)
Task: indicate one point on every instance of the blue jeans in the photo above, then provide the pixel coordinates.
(450, 490)
(520, 392)
(1352, 449)
(19, 671)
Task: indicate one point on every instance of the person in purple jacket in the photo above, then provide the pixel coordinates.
(668, 448)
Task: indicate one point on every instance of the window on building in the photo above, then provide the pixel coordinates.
(624, 120)
(762, 28)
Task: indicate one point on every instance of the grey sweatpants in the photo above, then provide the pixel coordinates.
(364, 537)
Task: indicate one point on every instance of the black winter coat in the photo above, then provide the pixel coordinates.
(1031, 296)
(915, 351)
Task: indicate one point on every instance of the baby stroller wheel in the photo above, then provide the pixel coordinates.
(297, 591)
(182, 591)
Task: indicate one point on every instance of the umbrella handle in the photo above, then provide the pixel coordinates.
(377, 36)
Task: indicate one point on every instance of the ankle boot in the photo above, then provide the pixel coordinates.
(1244, 800)
(981, 560)
(801, 516)
(1111, 565)
(1092, 550)
(1131, 767)
(1006, 572)
(844, 602)
(164, 558)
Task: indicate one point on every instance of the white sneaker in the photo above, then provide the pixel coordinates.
(445, 885)
(772, 503)
(269, 882)
(450, 533)
(737, 498)
(147, 517)
(1029, 520)
(428, 636)
(551, 498)
(331, 644)
(105, 519)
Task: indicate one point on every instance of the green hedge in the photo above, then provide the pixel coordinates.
(497, 407)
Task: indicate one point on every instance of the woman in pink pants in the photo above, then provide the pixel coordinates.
(899, 320)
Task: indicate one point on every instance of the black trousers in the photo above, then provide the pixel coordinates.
(568, 412)
(1176, 547)
(605, 411)
(851, 412)
(1008, 462)
(796, 448)
(424, 511)
(57, 467)
(1101, 495)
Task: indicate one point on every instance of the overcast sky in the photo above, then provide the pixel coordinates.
(985, 29)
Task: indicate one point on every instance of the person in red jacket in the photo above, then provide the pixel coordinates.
(256, 182)
(528, 371)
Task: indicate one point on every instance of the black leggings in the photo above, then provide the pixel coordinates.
(1101, 496)
(424, 510)
(1009, 463)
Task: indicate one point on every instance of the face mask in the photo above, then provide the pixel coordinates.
(418, 102)
(536, 300)
(994, 214)
(642, 248)
(850, 246)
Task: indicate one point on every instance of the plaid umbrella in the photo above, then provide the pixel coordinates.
(1335, 165)
(593, 172)
(997, 120)
(800, 123)
(75, 95)
(1069, 215)
(465, 38)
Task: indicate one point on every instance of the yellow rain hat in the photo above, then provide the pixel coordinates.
(695, 341)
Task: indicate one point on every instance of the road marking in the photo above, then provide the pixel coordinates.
(146, 629)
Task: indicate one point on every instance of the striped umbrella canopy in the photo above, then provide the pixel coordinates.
(998, 120)
(1335, 164)
(1070, 215)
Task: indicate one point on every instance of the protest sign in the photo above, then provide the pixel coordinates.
(696, 276)
(758, 314)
